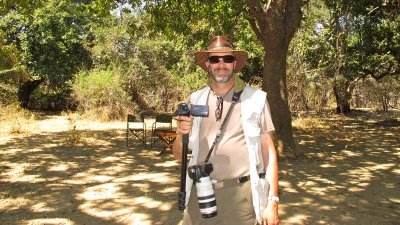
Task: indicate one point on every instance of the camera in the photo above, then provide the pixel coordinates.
(205, 191)
(185, 109)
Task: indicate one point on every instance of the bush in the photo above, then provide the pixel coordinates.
(47, 99)
(99, 94)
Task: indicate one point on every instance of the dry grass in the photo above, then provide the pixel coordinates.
(15, 120)
(73, 135)
(310, 123)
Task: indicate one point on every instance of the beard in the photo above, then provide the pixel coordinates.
(219, 79)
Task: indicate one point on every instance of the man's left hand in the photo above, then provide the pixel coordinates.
(270, 214)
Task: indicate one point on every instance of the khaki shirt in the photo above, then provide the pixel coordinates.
(229, 158)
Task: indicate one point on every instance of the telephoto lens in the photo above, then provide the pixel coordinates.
(206, 197)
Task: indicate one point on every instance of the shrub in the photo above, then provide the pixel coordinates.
(99, 94)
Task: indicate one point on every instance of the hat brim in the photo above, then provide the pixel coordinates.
(201, 58)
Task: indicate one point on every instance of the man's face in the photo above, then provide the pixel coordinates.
(221, 66)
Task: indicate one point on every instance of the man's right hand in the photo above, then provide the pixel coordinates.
(184, 124)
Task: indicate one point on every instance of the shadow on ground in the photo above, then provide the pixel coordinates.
(350, 174)
(104, 182)
(46, 181)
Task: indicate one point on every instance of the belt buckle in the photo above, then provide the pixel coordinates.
(218, 184)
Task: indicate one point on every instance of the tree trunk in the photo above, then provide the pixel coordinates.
(385, 103)
(343, 92)
(342, 101)
(275, 24)
(25, 90)
(275, 86)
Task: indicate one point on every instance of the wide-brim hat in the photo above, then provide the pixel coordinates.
(220, 44)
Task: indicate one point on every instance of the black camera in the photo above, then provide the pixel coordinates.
(205, 191)
(196, 172)
(185, 109)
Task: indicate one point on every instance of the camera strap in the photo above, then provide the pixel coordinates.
(235, 99)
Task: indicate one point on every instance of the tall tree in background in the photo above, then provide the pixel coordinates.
(274, 24)
(50, 39)
(359, 39)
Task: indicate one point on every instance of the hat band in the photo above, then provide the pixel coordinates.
(221, 48)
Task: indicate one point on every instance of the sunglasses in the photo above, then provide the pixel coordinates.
(226, 58)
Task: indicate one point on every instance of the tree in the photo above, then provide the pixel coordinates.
(273, 23)
(50, 42)
(360, 39)
(308, 87)
(144, 62)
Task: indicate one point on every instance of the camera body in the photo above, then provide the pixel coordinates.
(185, 109)
(205, 191)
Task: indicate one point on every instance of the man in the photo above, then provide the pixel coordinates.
(245, 152)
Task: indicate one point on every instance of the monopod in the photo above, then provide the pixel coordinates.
(182, 192)
(187, 110)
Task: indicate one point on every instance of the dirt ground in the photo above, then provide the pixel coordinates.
(68, 171)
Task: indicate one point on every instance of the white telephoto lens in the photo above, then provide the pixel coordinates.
(206, 198)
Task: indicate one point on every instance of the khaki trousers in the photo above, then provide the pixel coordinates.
(234, 207)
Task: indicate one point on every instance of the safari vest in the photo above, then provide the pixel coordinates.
(252, 103)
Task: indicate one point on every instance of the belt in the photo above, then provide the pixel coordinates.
(232, 182)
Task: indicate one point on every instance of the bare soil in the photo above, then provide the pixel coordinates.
(73, 171)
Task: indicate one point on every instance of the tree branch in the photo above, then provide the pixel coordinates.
(189, 11)
(256, 8)
(381, 75)
(292, 18)
(256, 29)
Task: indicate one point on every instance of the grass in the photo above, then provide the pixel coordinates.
(311, 123)
(15, 120)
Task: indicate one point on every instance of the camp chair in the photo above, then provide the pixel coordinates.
(163, 123)
(136, 126)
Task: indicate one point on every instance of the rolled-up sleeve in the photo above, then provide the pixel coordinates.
(266, 119)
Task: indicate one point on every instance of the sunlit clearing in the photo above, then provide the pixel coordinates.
(114, 210)
(19, 173)
(49, 145)
(13, 203)
(41, 207)
(166, 206)
(169, 190)
(351, 153)
(327, 165)
(154, 177)
(104, 191)
(147, 202)
(310, 124)
(50, 221)
(110, 159)
(138, 219)
(60, 167)
(102, 178)
(170, 163)
(383, 166)
(287, 186)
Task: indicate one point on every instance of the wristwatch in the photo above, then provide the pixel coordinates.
(273, 198)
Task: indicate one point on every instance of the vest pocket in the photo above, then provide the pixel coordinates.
(251, 126)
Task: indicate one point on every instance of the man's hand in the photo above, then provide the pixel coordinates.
(184, 124)
(270, 214)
